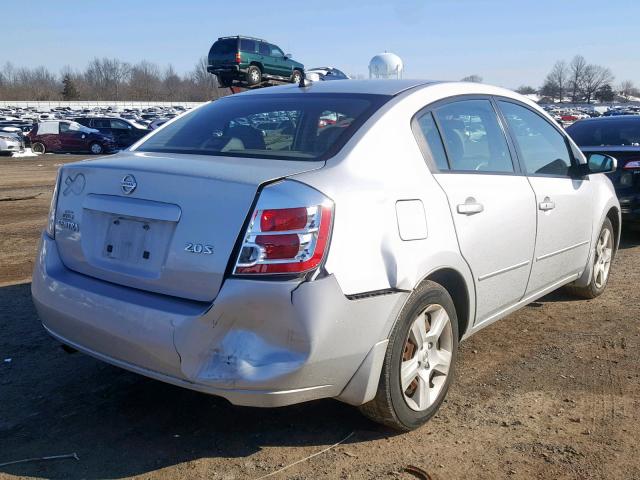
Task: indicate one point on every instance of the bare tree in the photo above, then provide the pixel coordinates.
(628, 89)
(526, 90)
(557, 79)
(593, 78)
(145, 82)
(472, 78)
(577, 68)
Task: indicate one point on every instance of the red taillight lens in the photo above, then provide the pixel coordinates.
(279, 247)
(299, 248)
(238, 57)
(283, 219)
(632, 165)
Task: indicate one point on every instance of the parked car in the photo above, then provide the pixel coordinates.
(272, 267)
(327, 73)
(68, 136)
(251, 61)
(10, 143)
(158, 122)
(618, 136)
(124, 132)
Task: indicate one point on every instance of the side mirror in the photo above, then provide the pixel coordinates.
(601, 163)
(596, 163)
(287, 56)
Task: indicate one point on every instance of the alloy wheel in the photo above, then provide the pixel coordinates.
(426, 358)
(96, 148)
(602, 262)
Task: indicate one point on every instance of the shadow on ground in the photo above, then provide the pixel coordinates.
(123, 424)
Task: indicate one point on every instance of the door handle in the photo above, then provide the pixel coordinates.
(470, 207)
(546, 204)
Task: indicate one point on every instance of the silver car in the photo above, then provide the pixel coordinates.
(343, 253)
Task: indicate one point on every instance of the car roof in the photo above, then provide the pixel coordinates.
(611, 118)
(374, 87)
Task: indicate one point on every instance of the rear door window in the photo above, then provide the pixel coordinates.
(264, 48)
(119, 124)
(542, 148)
(473, 137)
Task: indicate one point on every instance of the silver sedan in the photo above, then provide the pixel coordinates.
(330, 239)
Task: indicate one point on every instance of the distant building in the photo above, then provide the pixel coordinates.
(386, 65)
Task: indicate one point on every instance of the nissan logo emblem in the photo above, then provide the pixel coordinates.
(128, 184)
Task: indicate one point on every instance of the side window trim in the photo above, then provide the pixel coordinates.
(422, 143)
(511, 135)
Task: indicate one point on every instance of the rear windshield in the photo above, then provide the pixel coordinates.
(606, 132)
(295, 127)
(224, 47)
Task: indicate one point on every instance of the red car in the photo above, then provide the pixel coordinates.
(68, 136)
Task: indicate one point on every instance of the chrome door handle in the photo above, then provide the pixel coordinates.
(546, 204)
(470, 207)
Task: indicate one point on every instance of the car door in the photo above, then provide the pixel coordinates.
(491, 203)
(281, 66)
(121, 132)
(268, 62)
(564, 202)
(70, 139)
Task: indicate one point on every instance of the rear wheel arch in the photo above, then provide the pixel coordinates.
(454, 283)
(257, 64)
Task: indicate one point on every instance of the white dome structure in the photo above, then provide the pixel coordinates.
(386, 65)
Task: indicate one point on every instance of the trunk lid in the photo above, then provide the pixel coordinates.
(174, 232)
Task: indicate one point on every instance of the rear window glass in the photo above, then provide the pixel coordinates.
(296, 127)
(595, 133)
(224, 47)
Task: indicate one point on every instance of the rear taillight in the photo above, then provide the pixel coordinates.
(51, 223)
(633, 165)
(285, 240)
(238, 57)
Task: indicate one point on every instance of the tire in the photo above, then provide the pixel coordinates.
(296, 77)
(224, 82)
(254, 75)
(38, 147)
(407, 409)
(601, 258)
(96, 148)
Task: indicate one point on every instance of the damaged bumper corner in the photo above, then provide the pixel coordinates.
(261, 343)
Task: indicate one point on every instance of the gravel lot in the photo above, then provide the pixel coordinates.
(552, 391)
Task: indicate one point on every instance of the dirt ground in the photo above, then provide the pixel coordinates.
(552, 391)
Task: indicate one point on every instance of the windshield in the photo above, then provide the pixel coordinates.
(296, 127)
(606, 132)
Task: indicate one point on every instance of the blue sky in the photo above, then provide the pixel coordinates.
(507, 42)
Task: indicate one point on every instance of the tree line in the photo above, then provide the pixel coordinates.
(578, 81)
(109, 79)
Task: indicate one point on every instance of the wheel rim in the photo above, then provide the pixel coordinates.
(426, 358)
(254, 75)
(602, 262)
(296, 78)
(95, 148)
(37, 148)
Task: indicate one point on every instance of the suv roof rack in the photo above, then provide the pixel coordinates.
(242, 36)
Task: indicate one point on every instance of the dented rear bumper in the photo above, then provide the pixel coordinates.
(261, 343)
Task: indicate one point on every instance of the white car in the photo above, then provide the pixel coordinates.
(343, 259)
(10, 142)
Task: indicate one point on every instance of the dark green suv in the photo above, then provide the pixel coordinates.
(251, 60)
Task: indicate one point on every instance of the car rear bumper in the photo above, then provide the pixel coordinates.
(226, 69)
(261, 343)
(630, 209)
